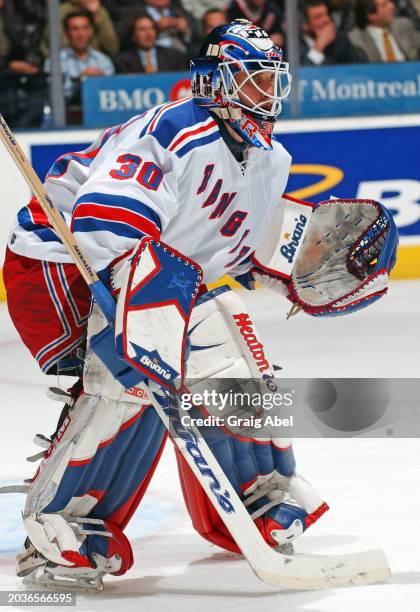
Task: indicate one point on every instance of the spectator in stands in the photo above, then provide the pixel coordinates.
(213, 18)
(104, 37)
(197, 9)
(5, 44)
(144, 56)
(381, 36)
(23, 22)
(177, 28)
(410, 9)
(122, 12)
(342, 12)
(23, 85)
(321, 43)
(79, 60)
(264, 13)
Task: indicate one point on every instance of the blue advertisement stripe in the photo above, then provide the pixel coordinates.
(326, 91)
(379, 164)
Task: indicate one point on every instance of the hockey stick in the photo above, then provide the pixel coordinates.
(297, 572)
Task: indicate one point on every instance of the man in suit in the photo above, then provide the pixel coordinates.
(321, 43)
(145, 56)
(381, 36)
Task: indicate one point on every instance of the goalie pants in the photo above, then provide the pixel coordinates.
(49, 304)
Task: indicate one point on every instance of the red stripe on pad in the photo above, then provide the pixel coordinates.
(96, 493)
(76, 558)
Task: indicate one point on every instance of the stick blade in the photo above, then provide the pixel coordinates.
(319, 572)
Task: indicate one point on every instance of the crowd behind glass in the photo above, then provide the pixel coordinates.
(105, 37)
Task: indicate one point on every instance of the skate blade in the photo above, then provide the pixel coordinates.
(46, 580)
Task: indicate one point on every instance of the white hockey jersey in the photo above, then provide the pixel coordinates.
(169, 173)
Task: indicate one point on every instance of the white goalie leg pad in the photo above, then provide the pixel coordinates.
(57, 456)
(227, 341)
(90, 422)
(97, 379)
(52, 509)
(226, 344)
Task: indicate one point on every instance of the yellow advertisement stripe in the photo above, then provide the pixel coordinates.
(2, 288)
(407, 266)
(332, 176)
(408, 263)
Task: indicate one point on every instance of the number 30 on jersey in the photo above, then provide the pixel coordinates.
(147, 173)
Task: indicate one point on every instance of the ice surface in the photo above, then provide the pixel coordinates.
(372, 485)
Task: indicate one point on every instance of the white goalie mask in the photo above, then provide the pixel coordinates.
(260, 77)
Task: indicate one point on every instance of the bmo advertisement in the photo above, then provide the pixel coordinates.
(325, 91)
(110, 100)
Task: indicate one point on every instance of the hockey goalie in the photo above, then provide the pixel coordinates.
(170, 201)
